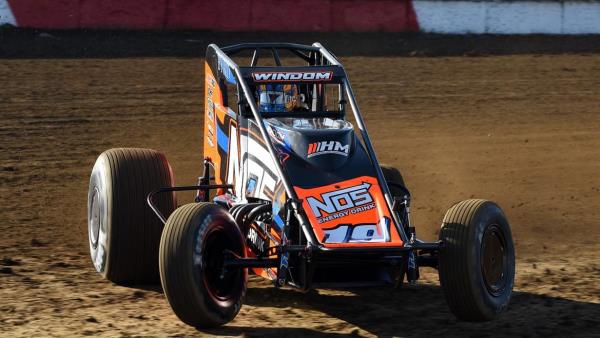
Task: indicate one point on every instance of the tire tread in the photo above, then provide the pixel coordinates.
(454, 274)
(175, 260)
(135, 230)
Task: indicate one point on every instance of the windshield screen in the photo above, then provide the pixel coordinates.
(317, 123)
(299, 97)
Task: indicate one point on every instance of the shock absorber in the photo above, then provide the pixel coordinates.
(282, 271)
(202, 195)
(412, 268)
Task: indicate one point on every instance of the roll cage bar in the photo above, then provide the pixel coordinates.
(315, 61)
(316, 55)
(302, 51)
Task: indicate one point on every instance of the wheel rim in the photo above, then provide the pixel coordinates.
(494, 258)
(222, 284)
(94, 222)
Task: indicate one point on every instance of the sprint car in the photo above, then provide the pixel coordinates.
(294, 194)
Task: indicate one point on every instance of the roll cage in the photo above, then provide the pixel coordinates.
(319, 59)
(315, 63)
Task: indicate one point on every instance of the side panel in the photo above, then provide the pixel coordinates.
(262, 178)
(212, 94)
(261, 182)
(269, 235)
(221, 132)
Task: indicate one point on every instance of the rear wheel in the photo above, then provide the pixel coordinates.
(201, 291)
(123, 232)
(477, 260)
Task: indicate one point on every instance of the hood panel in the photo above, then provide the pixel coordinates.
(331, 172)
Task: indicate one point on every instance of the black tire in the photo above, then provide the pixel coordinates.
(393, 175)
(123, 232)
(394, 179)
(191, 254)
(477, 260)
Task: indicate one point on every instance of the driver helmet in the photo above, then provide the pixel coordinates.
(279, 98)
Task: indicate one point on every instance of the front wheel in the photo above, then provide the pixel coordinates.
(201, 291)
(477, 260)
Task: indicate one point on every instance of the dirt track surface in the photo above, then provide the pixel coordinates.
(520, 130)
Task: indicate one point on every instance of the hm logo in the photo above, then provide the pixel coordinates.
(327, 147)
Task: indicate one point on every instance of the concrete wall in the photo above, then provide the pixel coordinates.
(438, 16)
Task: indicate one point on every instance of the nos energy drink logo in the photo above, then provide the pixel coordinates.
(327, 147)
(341, 203)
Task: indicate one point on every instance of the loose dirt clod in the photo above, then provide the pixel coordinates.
(91, 320)
(139, 294)
(6, 270)
(37, 243)
(7, 261)
(60, 265)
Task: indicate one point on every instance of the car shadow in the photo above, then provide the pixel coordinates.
(408, 312)
(284, 332)
(386, 312)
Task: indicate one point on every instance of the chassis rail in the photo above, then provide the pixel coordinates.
(204, 187)
(412, 254)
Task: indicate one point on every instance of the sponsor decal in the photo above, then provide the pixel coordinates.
(234, 170)
(352, 233)
(210, 110)
(211, 135)
(226, 71)
(277, 135)
(411, 260)
(255, 163)
(251, 184)
(256, 240)
(350, 213)
(280, 139)
(292, 76)
(327, 147)
(341, 203)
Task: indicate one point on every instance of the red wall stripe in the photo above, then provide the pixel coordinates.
(232, 15)
(291, 15)
(361, 16)
(217, 15)
(46, 14)
(136, 14)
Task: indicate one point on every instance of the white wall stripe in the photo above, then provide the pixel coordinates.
(6, 15)
(508, 17)
(581, 17)
(458, 17)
